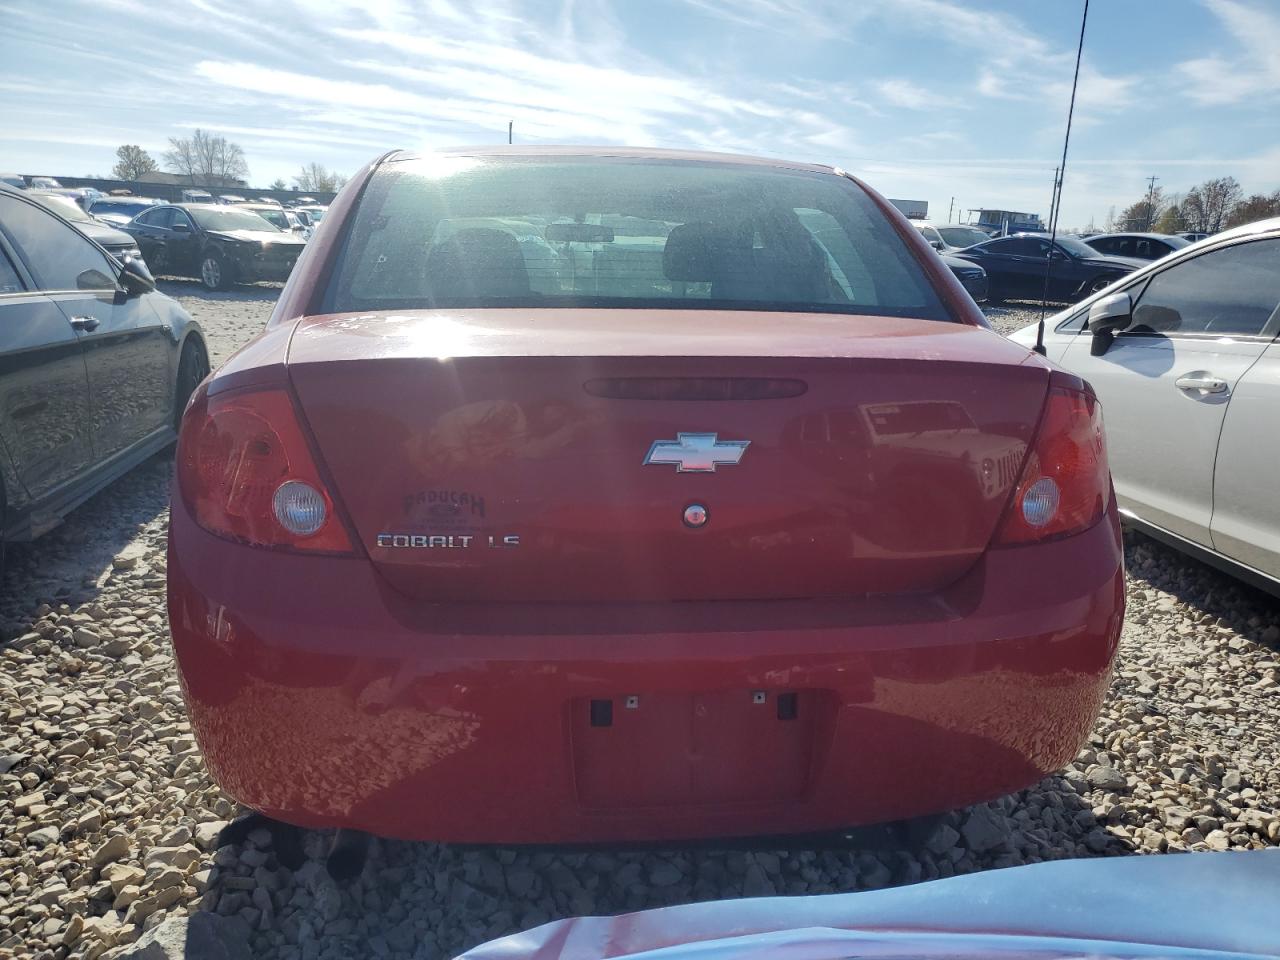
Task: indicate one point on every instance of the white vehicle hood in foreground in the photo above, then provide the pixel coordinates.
(1200, 905)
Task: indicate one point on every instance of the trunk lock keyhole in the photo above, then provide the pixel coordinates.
(695, 515)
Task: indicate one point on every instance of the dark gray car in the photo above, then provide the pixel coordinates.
(95, 366)
(116, 242)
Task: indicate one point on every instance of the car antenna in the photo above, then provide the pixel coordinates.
(1056, 203)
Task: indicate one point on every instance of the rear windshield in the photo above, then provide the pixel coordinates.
(274, 217)
(461, 232)
(212, 218)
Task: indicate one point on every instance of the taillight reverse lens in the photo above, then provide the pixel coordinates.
(246, 473)
(1065, 484)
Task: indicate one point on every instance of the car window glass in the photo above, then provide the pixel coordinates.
(150, 218)
(847, 268)
(177, 217)
(1009, 246)
(58, 255)
(569, 233)
(1073, 323)
(1103, 246)
(1228, 292)
(9, 280)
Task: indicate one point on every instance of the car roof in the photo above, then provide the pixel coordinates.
(607, 153)
(1146, 236)
(1244, 230)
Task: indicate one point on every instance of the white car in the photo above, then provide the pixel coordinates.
(1184, 357)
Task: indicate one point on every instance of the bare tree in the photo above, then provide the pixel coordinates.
(1257, 207)
(314, 176)
(207, 159)
(278, 184)
(133, 162)
(1141, 215)
(1207, 206)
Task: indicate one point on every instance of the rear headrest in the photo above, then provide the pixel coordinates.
(700, 251)
(477, 263)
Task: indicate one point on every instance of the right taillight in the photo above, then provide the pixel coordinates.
(1065, 484)
(246, 473)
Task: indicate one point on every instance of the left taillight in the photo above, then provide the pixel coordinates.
(1065, 486)
(246, 472)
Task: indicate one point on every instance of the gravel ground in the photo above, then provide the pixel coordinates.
(108, 821)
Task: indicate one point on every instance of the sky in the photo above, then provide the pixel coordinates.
(937, 100)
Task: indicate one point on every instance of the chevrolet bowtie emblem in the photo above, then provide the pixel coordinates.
(696, 452)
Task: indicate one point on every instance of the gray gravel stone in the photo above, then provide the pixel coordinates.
(202, 936)
(984, 829)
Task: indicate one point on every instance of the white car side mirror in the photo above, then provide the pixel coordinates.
(1108, 317)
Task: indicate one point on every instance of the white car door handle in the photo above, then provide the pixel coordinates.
(1203, 384)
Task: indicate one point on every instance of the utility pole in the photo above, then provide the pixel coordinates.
(510, 126)
(1151, 200)
(950, 209)
(1054, 195)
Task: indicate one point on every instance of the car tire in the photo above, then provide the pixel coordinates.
(215, 272)
(158, 262)
(193, 367)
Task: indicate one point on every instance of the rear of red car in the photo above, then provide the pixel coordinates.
(635, 497)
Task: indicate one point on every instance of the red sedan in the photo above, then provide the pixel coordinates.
(603, 495)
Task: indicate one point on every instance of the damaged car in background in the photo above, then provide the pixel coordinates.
(219, 245)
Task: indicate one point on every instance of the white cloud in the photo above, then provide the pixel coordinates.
(1251, 71)
(911, 96)
(821, 19)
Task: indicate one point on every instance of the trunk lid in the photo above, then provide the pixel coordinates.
(500, 455)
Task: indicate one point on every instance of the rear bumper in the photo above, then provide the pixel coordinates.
(324, 698)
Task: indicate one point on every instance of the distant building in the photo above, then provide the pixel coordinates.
(1004, 222)
(913, 209)
(159, 176)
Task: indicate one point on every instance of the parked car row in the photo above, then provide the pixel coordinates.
(1032, 265)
